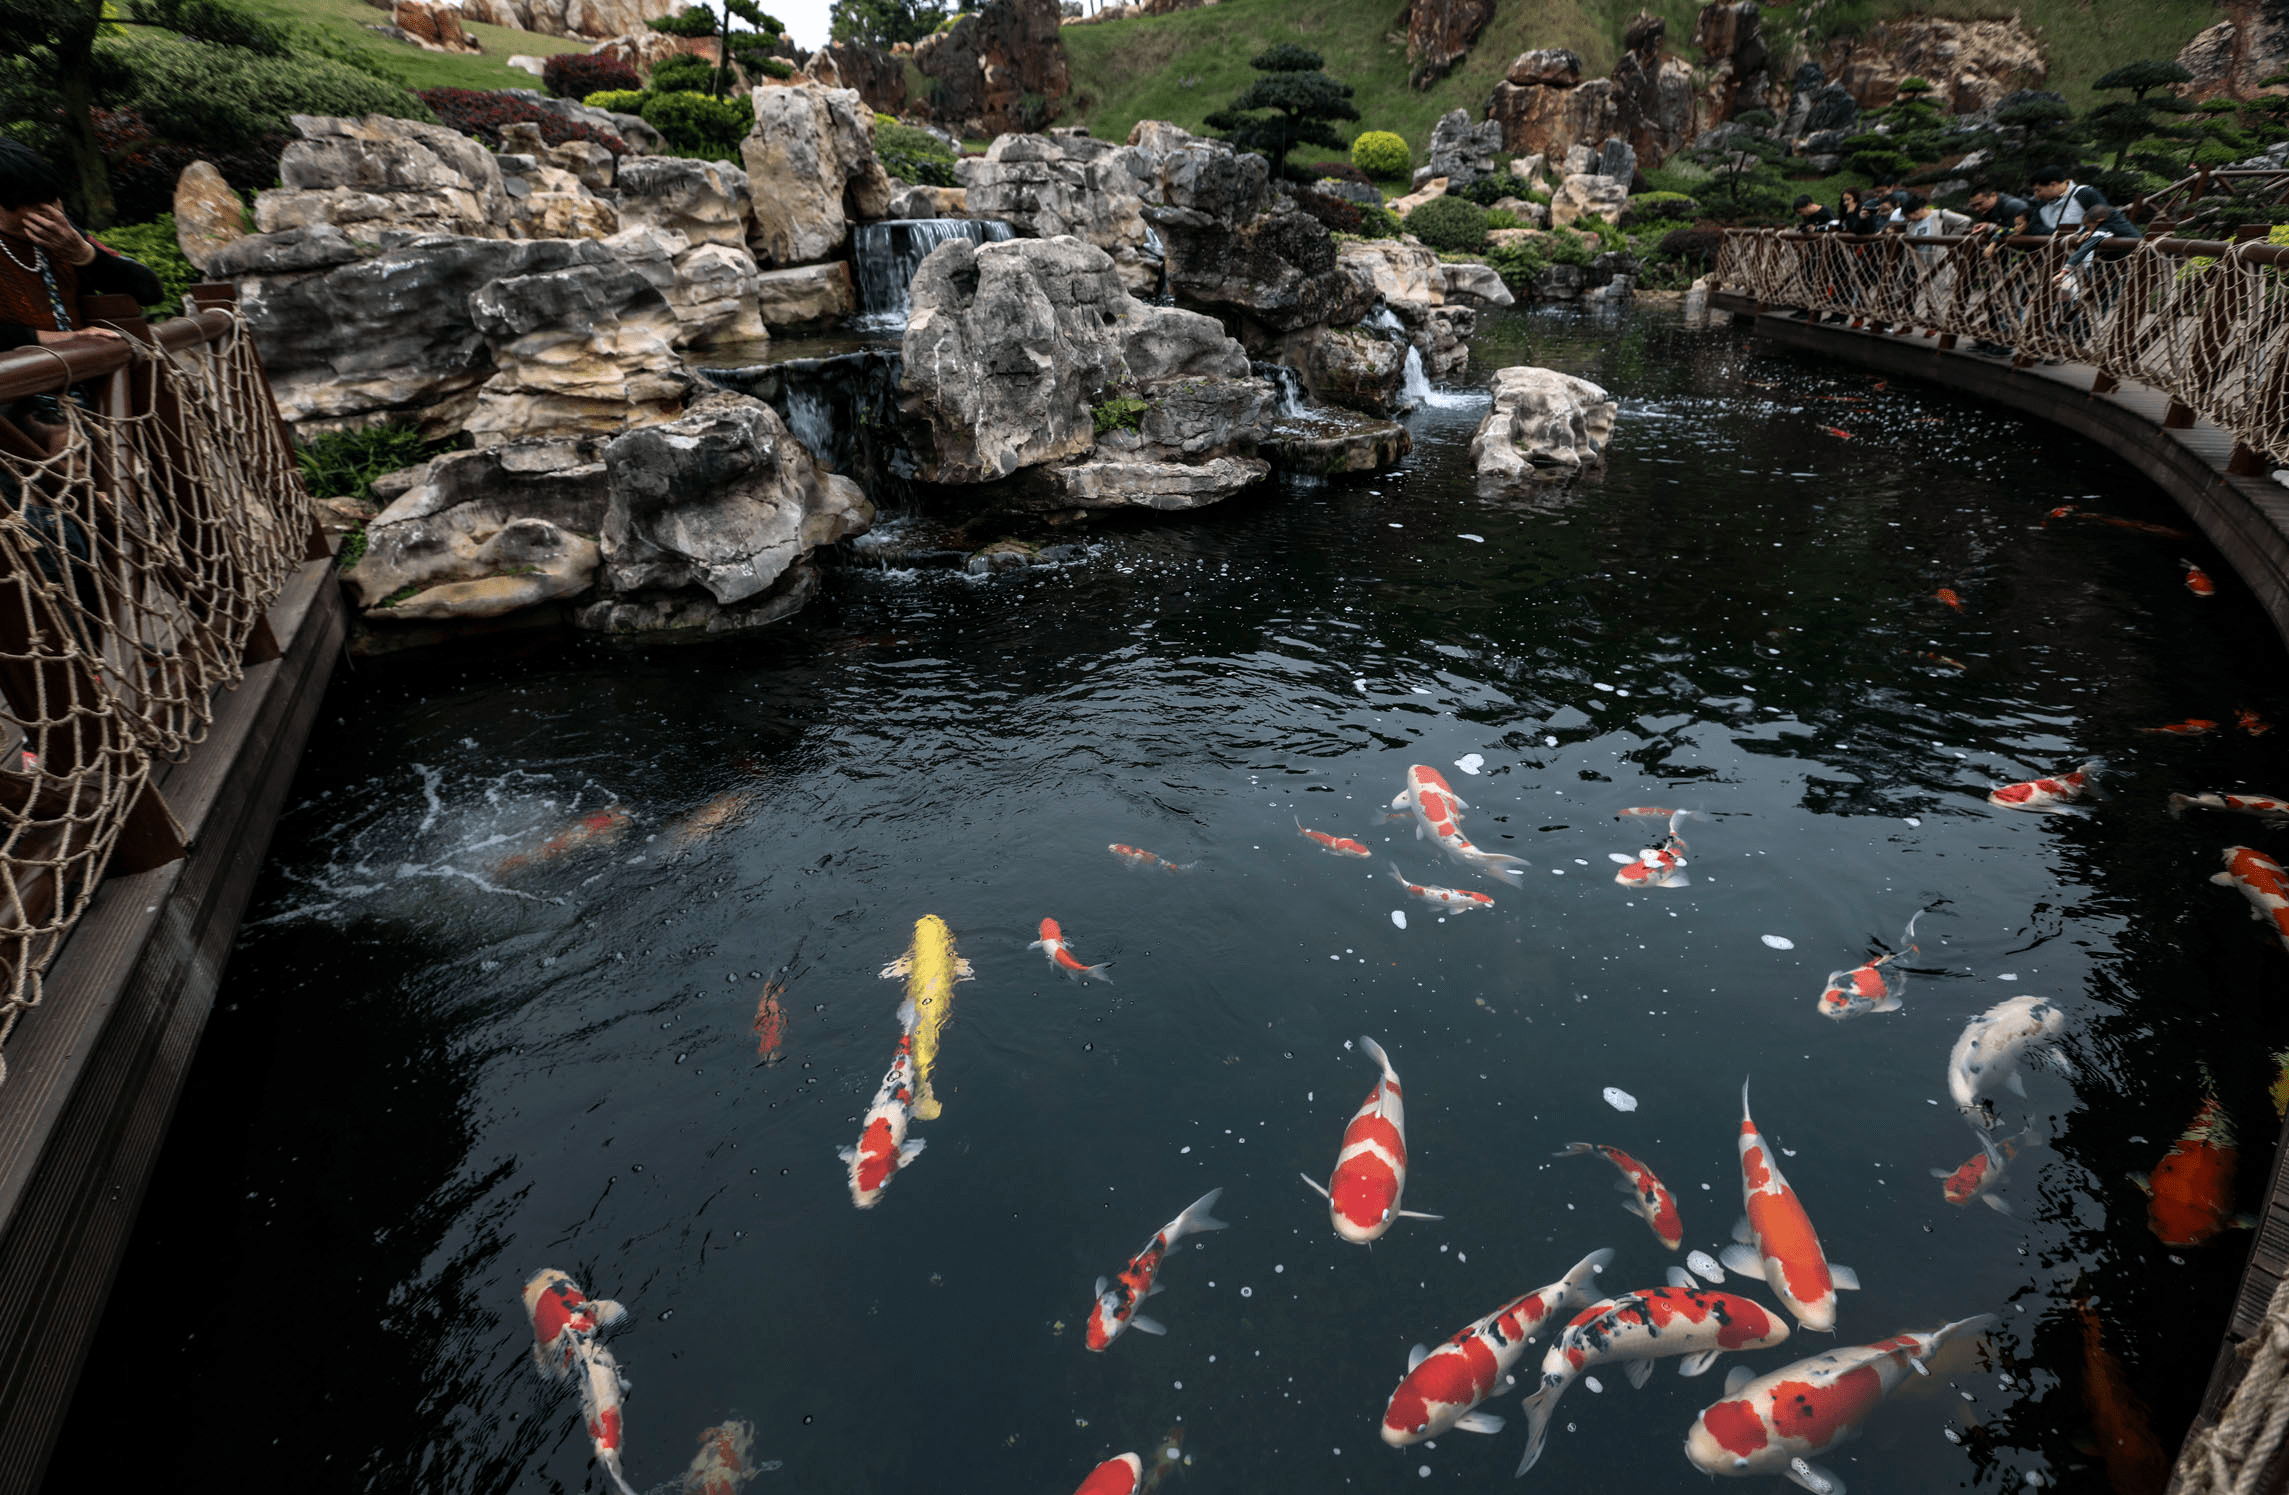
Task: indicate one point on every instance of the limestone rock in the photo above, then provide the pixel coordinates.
(708, 202)
(1045, 186)
(1278, 272)
(208, 213)
(1474, 284)
(1439, 34)
(878, 77)
(1971, 65)
(929, 202)
(997, 69)
(1461, 151)
(2232, 58)
(1182, 170)
(711, 288)
(1545, 119)
(588, 18)
(806, 293)
(1655, 111)
(1356, 367)
(436, 532)
(586, 348)
(1424, 192)
(644, 48)
(633, 132)
(1198, 420)
(1330, 443)
(811, 170)
(1395, 270)
(1730, 34)
(547, 202)
(1542, 421)
(1583, 194)
(432, 26)
(529, 561)
(1553, 67)
(1118, 483)
(378, 173)
(691, 614)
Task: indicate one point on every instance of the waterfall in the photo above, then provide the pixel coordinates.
(885, 255)
(811, 418)
(1418, 387)
(1288, 382)
(843, 407)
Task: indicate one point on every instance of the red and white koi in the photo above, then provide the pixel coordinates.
(1342, 846)
(2048, 796)
(562, 1317)
(1987, 1052)
(1981, 1176)
(883, 1146)
(1649, 1198)
(1371, 1166)
(725, 1460)
(1052, 943)
(2192, 726)
(1437, 810)
(1649, 812)
(1868, 987)
(1443, 1386)
(1117, 1301)
(1776, 1423)
(1453, 900)
(1775, 1239)
(1654, 1323)
(1137, 856)
(602, 1388)
(1127, 1474)
(1661, 865)
(2198, 581)
(2264, 806)
(600, 829)
(2250, 722)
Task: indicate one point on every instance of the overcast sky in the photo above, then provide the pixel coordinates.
(805, 20)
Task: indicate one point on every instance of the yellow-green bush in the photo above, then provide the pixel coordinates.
(617, 100)
(1382, 154)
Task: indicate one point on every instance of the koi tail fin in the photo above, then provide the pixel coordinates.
(1977, 1324)
(1195, 1218)
(1576, 1285)
(1097, 971)
(1538, 1408)
(1502, 864)
(1907, 935)
(2178, 803)
(1382, 1060)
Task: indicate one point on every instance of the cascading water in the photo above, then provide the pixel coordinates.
(1288, 382)
(886, 254)
(843, 407)
(1417, 390)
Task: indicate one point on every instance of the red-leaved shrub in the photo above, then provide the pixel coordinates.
(143, 169)
(474, 111)
(576, 75)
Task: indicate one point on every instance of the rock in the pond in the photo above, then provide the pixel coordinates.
(437, 525)
(529, 562)
(1543, 423)
(811, 170)
(803, 294)
(1360, 368)
(1119, 483)
(1278, 272)
(1331, 443)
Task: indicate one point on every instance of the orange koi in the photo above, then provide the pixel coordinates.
(1117, 1302)
(2189, 1195)
(724, 1461)
(1945, 660)
(1839, 435)
(1948, 596)
(1775, 1239)
(1438, 814)
(2250, 722)
(1444, 1386)
(2135, 1463)
(1983, 1174)
(1661, 865)
(2198, 581)
(770, 1021)
(1052, 944)
(2263, 882)
(1342, 846)
(600, 829)
(1453, 900)
(1141, 858)
(2141, 526)
(1650, 1199)
(2192, 726)
(2264, 806)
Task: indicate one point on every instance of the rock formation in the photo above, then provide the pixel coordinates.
(1971, 65)
(383, 172)
(1544, 108)
(589, 18)
(878, 77)
(1439, 34)
(586, 347)
(2230, 59)
(432, 26)
(1460, 151)
(208, 213)
(1276, 273)
(1730, 34)
(997, 69)
(1044, 186)
(811, 167)
(1543, 423)
(1654, 107)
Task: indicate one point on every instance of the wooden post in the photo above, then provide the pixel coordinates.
(2179, 417)
(2103, 383)
(149, 838)
(2247, 462)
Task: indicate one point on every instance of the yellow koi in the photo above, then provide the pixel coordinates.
(2280, 1089)
(931, 968)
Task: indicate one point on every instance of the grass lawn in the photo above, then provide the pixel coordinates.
(348, 19)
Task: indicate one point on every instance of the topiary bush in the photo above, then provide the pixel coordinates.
(576, 75)
(481, 112)
(617, 100)
(155, 245)
(695, 124)
(1449, 223)
(1378, 223)
(225, 97)
(1382, 155)
(683, 73)
(914, 156)
(1647, 207)
(1339, 171)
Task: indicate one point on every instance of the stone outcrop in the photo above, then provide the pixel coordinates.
(1011, 346)
(803, 294)
(208, 213)
(1544, 106)
(1730, 35)
(2231, 59)
(811, 171)
(549, 202)
(588, 347)
(436, 533)
(1583, 194)
(588, 18)
(1276, 273)
(712, 289)
(1654, 107)
(1360, 368)
(643, 48)
(997, 69)
(1461, 151)
(1439, 35)
(878, 77)
(1971, 65)
(432, 26)
(1819, 112)
(1330, 443)
(1543, 423)
(379, 172)
(708, 202)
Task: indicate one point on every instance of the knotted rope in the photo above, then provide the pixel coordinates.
(2231, 1458)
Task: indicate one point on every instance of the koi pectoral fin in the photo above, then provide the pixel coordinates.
(1679, 1277)
(1742, 1259)
(1316, 1186)
(1736, 1378)
(1417, 1356)
(1416, 1214)
(1143, 1325)
(1639, 1372)
(1693, 1365)
(1845, 1278)
(1478, 1422)
(1999, 1206)
(1743, 1231)
(1814, 1478)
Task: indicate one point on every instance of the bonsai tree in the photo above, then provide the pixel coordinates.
(1302, 102)
(885, 23)
(2122, 123)
(752, 49)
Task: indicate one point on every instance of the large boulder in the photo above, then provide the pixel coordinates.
(1655, 110)
(1584, 194)
(208, 213)
(381, 173)
(1359, 368)
(997, 69)
(1178, 169)
(1275, 274)
(586, 348)
(1011, 346)
(1141, 483)
(1461, 151)
(549, 202)
(1730, 34)
(811, 171)
(878, 76)
(1045, 186)
(1971, 65)
(804, 294)
(583, 18)
(711, 288)
(708, 202)
(1542, 423)
(436, 533)
(1546, 119)
(432, 25)
(1439, 34)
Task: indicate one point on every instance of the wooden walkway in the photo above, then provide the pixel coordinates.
(94, 1071)
(2246, 518)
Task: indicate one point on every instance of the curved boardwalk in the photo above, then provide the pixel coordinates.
(2246, 517)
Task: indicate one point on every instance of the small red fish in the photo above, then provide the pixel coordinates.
(2198, 581)
(2135, 1463)
(1945, 661)
(1948, 596)
(2061, 512)
(723, 1462)
(2046, 795)
(1650, 1199)
(2190, 1193)
(1839, 435)
(1454, 900)
(1144, 858)
(2192, 726)
(770, 1021)
(1052, 943)
(1983, 1174)
(1882, 384)
(1341, 846)
(2141, 526)
(1117, 1301)
(599, 829)
(2250, 722)
(1650, 812)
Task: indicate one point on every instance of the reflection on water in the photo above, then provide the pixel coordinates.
(461, 1041)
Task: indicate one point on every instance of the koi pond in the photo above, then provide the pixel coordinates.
(534, 914)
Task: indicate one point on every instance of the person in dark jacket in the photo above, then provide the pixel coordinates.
(1996, 211)
(47, 264)
(1812, 215)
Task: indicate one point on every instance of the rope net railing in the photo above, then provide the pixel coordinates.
(2205, 323)
(150, 512)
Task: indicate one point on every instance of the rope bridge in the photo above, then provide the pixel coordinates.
(2204, 322)
(151, 509)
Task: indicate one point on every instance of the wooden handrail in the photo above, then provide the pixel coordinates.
(50, 370)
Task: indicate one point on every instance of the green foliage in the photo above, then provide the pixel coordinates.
(345, 463)
(884, 23)
(353, 548)
(692, 21)
(1382, 155)
(750, 49)
(697, 124)
(1913, 86)
(2143, 77)
(1503, 218)
(197, 92)
(774, 67)
(155, 245)
(215, 22)
(1122, 414)
(1565, 247)
(1301, 101)
(912, 155)
(682, 73)
(617, 100)
(1449, 223)
(1378, 223)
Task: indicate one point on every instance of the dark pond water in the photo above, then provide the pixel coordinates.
(433, 1074)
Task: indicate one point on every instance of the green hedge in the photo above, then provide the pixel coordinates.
(154, 244)
(1451, 224)
(913, 156)
(190, 91)
(697, 125)
(1382, 155)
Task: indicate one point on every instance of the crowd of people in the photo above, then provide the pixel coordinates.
(2056, 204)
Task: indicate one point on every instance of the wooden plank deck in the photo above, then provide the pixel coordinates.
(94, 1071)
(2247, 519)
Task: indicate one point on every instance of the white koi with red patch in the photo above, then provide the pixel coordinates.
(2263, 883)
(1438, 815)
(1775, 1423)
(1118, 1475)
(1654, 1323)
(1371, 1168)
(883, 1146)
(1869, 987)
(1454, 900)
(562, 1317)
(1052, 943)
(1661, 865)
(1775, 1239)
(1987, 1051)
(601, 1389)
(2264, 806)
(2046, 796)
(1649, 1198)
(1443, 1385)
(1117, 1301)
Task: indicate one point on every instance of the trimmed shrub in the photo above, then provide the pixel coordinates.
(144, 168)
(694, 122)
(155, 245)
(1517, 264)
(1489, 190)
(617, 100)
(1339, 216)
(1379, 154)
(576, 75)
(913, 156)
(1694, 246)
(223, 97)
(479, 112)
(1341, 171)
(1449, 223)
(1378, 223)
(1647, 207)
(683, 73)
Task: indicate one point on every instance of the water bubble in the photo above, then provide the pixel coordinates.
(1778, 941)
(1247, 1292)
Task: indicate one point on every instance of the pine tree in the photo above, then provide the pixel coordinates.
(755, 50)
(885, 23)
(2122, 123)
(1302, 101)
